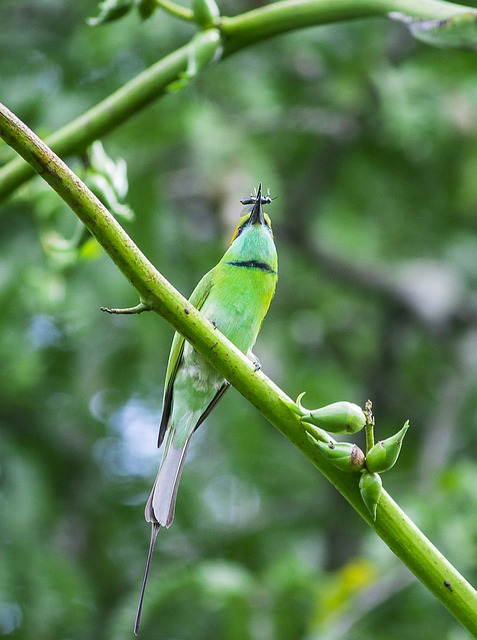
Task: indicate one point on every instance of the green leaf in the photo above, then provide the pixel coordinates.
(458, 32)
(206, 12)
(90, 250)
(371, 488)
(146, 8)
(107, 178)
(110, 10)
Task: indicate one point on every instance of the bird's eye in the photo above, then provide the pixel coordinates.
(236, 233)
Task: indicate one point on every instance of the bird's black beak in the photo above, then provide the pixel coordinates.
(256, 215)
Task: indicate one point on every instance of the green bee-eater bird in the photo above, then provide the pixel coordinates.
(234, 296)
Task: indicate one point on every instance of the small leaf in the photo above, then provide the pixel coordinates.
(371, 487)
(458, 31)
(61, 252)
(206, 12)
(107, 178)
(104, 190)
(114, 170)
(110, 10)
(146, 8)
(90, 250)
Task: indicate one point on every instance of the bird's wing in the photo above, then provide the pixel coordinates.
(175, 358)
(197, 298)
(212, 403)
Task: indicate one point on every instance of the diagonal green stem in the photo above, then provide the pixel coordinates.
(238, 32)
(102, 118)
(392, 524)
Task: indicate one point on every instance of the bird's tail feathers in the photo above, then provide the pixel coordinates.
(154, 532)
(161, 504)
(162, 500)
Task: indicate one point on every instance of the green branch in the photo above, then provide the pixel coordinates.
(237, 33)
(280, 17)
(104, 117)
(391, 524)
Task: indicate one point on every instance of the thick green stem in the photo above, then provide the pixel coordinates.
(238, 32)
(279, 17)
(105, 116)
(392, 524)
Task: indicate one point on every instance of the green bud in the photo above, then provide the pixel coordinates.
(204, 48)
(339, 417)
(206, 12)
(370, 487)
(344, 455)
(384, 454)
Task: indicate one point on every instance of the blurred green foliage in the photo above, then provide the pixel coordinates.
(369, 141)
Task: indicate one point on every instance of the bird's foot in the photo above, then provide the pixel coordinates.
(256, 362)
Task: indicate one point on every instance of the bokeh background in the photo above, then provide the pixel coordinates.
(368, 141)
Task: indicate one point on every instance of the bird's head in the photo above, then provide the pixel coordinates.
(255, 216)
(252, 241)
